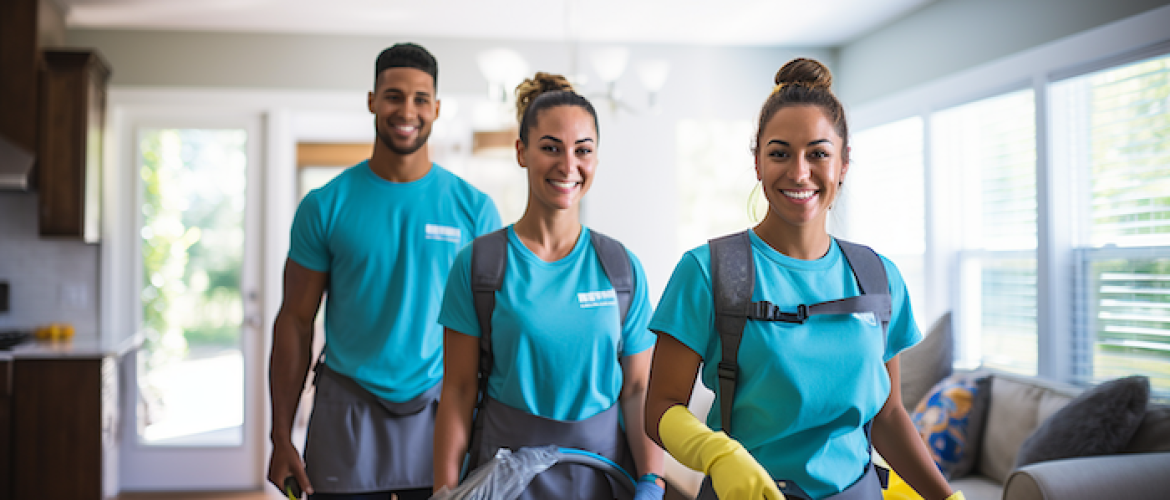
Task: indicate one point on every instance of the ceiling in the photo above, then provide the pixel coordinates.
(703, 22)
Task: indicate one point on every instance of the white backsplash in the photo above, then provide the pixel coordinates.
(49, 279)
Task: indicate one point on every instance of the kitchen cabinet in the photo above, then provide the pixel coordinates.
(5, 428)
(69, 154)
(65, 424)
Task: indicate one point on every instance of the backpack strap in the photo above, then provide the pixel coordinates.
(871, 280)
(732, 281)
(489, 258)
(616, 264)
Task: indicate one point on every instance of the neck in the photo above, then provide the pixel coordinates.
(399, 168)
(550, 235)
(808, 242)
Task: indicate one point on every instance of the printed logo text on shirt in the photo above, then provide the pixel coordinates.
(597, 299)
(444, 233)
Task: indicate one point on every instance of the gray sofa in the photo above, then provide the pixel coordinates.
(1017, 407)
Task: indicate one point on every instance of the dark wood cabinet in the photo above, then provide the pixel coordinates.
(5, 429)
(69, 154)
(65, 422)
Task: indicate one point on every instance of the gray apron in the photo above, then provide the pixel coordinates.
(507, 427)
(869, 487)
(358, 442)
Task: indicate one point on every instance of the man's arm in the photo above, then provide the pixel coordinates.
(456, 406)
(292, 347)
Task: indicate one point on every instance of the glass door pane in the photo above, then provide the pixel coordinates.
(191, 371)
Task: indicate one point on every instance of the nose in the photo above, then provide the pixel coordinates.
(800, 170)
(568, 162)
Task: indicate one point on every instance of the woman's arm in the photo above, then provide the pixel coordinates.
(453, 421)
(898, 441)
(672, 378)
(635, 379)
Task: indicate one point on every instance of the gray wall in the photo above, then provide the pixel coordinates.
(952, 35)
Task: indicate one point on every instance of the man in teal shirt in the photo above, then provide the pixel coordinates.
(380, 238)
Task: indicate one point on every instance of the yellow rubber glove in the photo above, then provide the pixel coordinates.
(735, 474)
(958, 495)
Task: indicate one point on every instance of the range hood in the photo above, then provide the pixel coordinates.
(16, 165)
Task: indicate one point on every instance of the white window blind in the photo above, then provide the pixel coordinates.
(988, 148)
(882, 198)
(1113, 128)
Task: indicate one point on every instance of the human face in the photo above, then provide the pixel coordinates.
(800, 165)
(404, 108)
(561, 156)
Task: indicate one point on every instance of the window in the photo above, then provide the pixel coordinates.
(988, 150)
(885, 164)
(716, 179)
(1112, 128)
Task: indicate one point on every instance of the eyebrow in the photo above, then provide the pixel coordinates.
(812, 143)
(579, 141)
(396, 90)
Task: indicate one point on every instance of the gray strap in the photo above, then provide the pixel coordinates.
(871, 278)
(489, 257)
(732, 282)
(616, 264)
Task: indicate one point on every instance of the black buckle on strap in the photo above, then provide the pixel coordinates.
(766, 311)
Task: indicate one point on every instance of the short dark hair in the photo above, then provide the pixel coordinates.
(407, 55)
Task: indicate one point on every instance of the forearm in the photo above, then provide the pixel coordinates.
(897, 440)
(452, 433)
(647, 455)
(288, 368)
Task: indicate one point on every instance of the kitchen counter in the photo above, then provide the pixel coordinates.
(75, 348)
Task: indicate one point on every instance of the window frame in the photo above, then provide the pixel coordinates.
(1133, 39)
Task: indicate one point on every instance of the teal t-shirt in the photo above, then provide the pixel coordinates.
(804, 390)
(387, 247)
(556, 329)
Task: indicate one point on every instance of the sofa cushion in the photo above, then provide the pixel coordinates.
(925, 364)
(950, 421)
(1154, 432)
(1100, 421)
(1018, 404)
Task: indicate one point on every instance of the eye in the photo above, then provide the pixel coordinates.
(421, 101)
(778, 153)
(584, 151)
(550, 148)
(819, 154)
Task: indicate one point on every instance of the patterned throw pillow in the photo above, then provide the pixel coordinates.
(950, 420)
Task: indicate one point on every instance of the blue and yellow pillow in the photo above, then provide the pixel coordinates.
(950, 420)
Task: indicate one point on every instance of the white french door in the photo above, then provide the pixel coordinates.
(193, 408)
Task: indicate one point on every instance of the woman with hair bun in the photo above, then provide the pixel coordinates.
(560, 332)
(797, 332)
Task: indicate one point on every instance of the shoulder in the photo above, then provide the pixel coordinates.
(458, 185)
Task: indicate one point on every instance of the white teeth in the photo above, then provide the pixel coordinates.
(405, 128)
(564, 184)
(799, 195)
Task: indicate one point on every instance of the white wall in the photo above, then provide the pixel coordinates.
(949, 36)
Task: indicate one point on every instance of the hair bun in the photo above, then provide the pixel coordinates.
(807, 72)
(540, 83)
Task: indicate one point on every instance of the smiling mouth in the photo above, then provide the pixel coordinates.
(405, 129)
(564, 184)
(799, 194)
